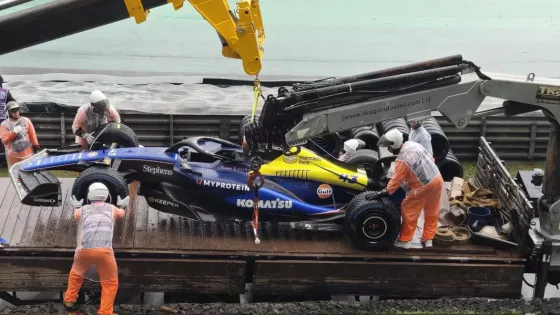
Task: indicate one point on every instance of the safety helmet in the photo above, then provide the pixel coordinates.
(11, 106)
(392, 138)
(98, 192)
(96, 96)
(352, 145)
(99, 101)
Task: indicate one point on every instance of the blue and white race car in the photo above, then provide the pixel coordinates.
(206, 179)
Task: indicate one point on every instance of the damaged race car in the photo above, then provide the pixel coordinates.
(206, 179)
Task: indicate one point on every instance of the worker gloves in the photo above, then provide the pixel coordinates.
(122, 203)
(383, 193)
(88, 137)
(77, 203)
(18, 129)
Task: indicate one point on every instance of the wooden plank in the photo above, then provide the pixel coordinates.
(191, 237)
(11, 220)
(53, 226)
(19, 227)
(163, 230)
(41, 227)
(388, 278)
(66, 218)
(29, 230)
(152, 229)
(4, 183)
(130, 221)
(141, 226)
(173, 238)
(6, 208)
(182, 275)
(118, 232)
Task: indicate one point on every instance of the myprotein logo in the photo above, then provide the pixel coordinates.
(324, 191)
(163, 202)
(44, 200)
(222, 185)
(157, 170)
(265, 204)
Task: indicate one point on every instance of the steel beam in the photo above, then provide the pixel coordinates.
(6, 4)
(61, 18)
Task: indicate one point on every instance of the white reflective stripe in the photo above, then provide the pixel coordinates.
(96, 226)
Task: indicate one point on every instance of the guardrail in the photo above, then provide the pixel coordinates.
(512, 138)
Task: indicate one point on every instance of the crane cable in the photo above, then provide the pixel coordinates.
(256, 93)
(256, 162)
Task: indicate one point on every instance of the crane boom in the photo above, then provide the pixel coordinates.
(242, 35)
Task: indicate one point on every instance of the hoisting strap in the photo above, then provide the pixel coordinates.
(256, 93)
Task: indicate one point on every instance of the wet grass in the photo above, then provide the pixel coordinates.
(469, 168)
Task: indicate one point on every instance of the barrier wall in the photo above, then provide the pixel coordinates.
(513, 138)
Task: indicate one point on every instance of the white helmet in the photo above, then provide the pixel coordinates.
(392, 138)
(98, 192)
(352, 145)
(96, 96)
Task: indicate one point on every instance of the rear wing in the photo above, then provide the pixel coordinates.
(36, 188)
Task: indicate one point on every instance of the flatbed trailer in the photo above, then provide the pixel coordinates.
(159, 252)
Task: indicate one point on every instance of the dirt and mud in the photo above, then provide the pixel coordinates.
(440, 306)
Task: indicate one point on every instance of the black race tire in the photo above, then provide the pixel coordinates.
(372, 223)
(243, 125)
(115, 182)
(110, 133)
(364, 158)
(359, 198)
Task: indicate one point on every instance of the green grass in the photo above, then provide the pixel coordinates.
(469, 169)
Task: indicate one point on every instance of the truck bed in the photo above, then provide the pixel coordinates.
(161, 252)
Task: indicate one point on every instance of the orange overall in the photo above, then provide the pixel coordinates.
(416, 167)
(95, 248)
(18, 147)
(87, 120)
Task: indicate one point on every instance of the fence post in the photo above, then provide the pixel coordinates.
(62, 130)
(171, 130)
(532, 140)
(224, 128)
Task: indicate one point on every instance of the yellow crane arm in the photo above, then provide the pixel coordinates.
(242, 34)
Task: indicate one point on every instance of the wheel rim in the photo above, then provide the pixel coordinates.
(374, 227)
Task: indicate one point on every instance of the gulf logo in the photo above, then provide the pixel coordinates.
(324, 191)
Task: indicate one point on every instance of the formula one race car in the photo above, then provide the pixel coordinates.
(206, 179)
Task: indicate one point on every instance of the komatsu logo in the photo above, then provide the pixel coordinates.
(265, 204)
(44, 200)
(157, 170)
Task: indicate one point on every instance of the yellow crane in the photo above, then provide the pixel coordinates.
(241, 33)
